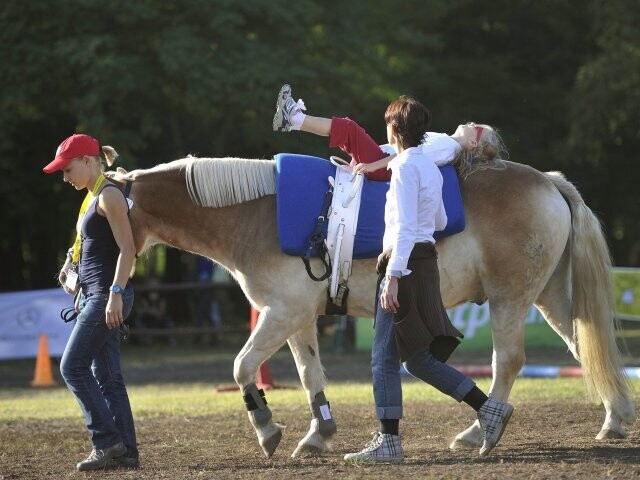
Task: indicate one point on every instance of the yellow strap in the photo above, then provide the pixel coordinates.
(83, 209)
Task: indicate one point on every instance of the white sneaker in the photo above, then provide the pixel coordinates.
(493, 416)
(286, 109)
(382, 448)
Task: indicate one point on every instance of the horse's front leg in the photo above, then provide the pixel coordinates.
(304, 347)
(507, 327)
(268, 336)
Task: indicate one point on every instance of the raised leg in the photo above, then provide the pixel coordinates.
(304, 347)
(269, 433)
(268, 336)
(507, 325)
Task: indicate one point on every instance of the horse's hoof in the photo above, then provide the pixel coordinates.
(270, 444)
(312, 445)
(327, 428)
(306, 451)
(608, 434)
(464, 444)
(470, 438)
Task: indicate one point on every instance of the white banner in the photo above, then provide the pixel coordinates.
(24, 316)
(470, 317)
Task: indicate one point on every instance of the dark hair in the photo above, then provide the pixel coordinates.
(409, 119)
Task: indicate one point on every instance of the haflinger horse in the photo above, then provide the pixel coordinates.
(529, 240)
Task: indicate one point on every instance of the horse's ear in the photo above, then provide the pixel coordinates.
(118, 176)
(557, 174)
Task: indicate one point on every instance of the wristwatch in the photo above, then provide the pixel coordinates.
(115, 288)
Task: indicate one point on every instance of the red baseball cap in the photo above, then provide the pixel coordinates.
(75, 146)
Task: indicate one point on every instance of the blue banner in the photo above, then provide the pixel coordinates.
(24, 316)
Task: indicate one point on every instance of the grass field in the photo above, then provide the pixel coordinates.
(194, 399)
(185, 430)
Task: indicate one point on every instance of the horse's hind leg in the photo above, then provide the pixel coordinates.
(555, 305)
(304, 347)
(507, 326)
(269, 335)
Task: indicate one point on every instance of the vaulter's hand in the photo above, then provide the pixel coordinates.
(389, 297)
(114, 311)
(363, 168)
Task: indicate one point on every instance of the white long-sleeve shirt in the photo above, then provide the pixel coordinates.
(414, 209)
(439, 147)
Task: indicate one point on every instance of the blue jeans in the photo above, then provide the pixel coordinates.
(385, 369)
(91, 368)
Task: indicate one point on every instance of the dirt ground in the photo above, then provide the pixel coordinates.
(545, 440)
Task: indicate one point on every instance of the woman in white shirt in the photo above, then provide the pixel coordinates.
(411, 323)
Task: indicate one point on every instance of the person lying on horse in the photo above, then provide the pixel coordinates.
(467, 152)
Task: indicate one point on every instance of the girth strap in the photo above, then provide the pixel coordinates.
(317, 240)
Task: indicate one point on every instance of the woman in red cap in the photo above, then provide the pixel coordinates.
(97, 269)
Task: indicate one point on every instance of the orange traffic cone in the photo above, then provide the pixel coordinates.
(43, 376)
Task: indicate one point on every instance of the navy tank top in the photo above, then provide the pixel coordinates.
(99, 251)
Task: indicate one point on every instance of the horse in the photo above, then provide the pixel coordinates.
(530, 239)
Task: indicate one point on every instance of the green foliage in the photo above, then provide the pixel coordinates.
(605, 124)
(159, 80)
(606, 103)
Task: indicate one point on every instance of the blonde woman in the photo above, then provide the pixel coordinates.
(90, 364)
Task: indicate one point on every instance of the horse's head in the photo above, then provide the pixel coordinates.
(119, 177)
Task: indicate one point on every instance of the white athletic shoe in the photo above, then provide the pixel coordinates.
(382, 448)
(286, 108)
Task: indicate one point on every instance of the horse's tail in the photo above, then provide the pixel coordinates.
(593, 304)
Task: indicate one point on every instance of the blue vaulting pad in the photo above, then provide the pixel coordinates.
(301, 184)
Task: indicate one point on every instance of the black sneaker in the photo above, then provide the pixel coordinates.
(100, 459)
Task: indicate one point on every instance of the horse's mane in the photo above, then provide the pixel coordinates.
(220, 182)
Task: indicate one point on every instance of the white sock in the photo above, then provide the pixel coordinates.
(297, 120)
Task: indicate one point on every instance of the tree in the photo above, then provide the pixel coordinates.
(160, 80)
(157, 80)
(605, 127)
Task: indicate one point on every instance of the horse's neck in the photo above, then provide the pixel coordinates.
(232, 236)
